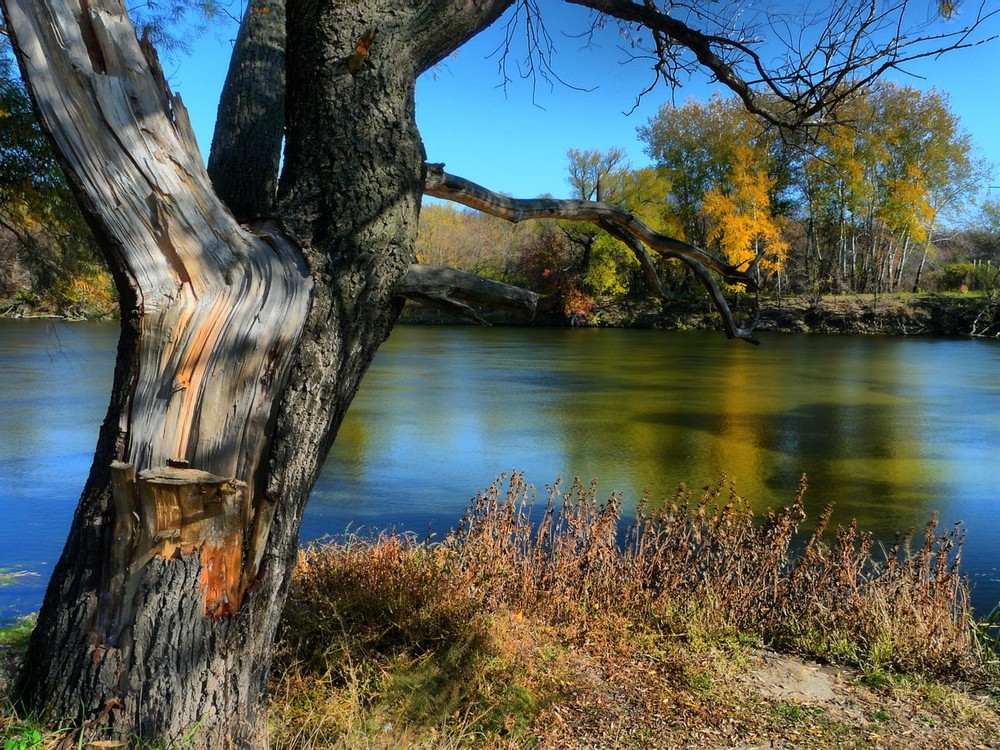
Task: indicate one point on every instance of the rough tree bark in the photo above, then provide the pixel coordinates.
(250, 125)
(242, 347)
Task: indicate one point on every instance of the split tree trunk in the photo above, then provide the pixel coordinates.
(241, 349)
(137, 629)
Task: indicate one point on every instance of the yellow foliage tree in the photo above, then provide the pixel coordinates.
(741, 221)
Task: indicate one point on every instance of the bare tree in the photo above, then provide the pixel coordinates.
(243, 344)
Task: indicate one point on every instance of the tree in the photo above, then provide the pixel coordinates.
(692, 145)
(876, 187)
(469, 240)
(242, 345)
(741, 218)
(726, 178)
(594, 176)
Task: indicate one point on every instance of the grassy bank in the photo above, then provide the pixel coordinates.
(547, 625)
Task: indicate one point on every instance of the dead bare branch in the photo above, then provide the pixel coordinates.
(452, 291)
(819, 60)
(617, 221)
(536, 64)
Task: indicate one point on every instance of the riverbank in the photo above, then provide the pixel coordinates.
(28, 307)
(627, 690)
(901, 314)
(704, 630)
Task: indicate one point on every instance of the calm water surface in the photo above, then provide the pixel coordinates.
(888, 429)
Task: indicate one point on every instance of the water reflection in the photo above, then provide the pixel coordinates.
(888, 430)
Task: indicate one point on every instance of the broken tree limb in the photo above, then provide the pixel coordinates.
(217, 308)
(456, 291)
(440, 184)
(616, 221)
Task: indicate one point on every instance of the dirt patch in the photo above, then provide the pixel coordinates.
(756, 700)
(790, 678)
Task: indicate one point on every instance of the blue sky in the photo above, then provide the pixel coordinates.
(515, 139)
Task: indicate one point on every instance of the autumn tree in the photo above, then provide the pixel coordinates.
(474, 242)
(246, 333)
(728, 173)
(741, 219)
(876, 186)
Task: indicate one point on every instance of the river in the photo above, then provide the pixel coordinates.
(888, 430)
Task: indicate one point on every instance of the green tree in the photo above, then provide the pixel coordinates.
(691, 146)
(877, 186)
(597, 176)
(596, 268)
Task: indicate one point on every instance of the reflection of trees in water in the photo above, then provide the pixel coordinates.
(645, 411)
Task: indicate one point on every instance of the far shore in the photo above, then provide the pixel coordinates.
(896, 314)
(935, 314)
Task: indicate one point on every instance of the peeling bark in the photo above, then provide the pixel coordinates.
(137, 629)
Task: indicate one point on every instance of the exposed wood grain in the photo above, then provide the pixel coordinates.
(222, 306)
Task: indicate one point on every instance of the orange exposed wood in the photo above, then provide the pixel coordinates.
(182, 511)
(220, 575)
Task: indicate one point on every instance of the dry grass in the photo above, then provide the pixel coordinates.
(710, 564)
(556, 625)
(534, 623)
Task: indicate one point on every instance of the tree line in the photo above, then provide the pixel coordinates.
(867, 205)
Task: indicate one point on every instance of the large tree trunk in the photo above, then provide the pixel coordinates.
(138, 629)
(241, 349)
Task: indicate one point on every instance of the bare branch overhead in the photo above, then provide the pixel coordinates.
(815, 59)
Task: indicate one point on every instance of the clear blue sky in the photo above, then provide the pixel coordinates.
(516, 140)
